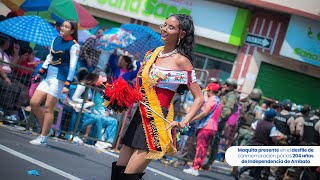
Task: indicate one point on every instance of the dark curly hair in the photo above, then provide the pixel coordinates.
(185, 46)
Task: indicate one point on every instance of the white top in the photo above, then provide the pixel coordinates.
(5, 58)
(171, 79)
(78, 93)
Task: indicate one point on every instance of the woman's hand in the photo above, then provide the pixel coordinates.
(179, 125)
(37, 78)
(16, 49)
(8, 81)
(65, 90)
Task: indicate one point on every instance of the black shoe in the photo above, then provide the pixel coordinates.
(206, 167)
(236, 174)
(136, 176)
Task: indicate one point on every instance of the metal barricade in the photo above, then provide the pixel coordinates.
(15, 98)
(14, 92)
(67, 120)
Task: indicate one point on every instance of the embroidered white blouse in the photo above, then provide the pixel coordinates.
(171, 79)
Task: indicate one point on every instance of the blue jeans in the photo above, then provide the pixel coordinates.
(110, 125)
(73, 120)
(101, 122)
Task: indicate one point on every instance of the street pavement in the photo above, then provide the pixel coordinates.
(64, 160)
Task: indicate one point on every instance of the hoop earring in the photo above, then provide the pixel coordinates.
(178, 42)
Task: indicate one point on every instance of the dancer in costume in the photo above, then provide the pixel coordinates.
(60, 68)
(165, 71)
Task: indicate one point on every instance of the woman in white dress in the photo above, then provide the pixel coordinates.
(59, 68)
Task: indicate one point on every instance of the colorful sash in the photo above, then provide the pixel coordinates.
(159, 140)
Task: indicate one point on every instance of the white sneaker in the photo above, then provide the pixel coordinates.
(191, 171)
(104, 135)
(50, 133)
(77, 139)
(40, 140)
(103, 145)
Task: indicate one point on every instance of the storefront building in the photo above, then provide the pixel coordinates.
(220, 28)
(281, 56)
(257, 49)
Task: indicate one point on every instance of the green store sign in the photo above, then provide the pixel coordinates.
(158, 9)
(302, 41)
(307, 54)
(229, 24)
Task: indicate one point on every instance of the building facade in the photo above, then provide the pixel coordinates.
(219, 31)
(267, 44)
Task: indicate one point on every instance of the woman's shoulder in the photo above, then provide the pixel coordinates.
(183, 62)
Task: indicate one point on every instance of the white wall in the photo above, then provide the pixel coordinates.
(309, 6)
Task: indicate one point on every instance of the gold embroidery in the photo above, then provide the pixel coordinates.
(155, 78)
(57, 62)
(56, 52)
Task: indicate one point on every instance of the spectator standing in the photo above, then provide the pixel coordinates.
(89, 54)
(207, 127)
(229, 106)
(123, 67)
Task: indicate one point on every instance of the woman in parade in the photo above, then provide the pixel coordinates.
(59, 68)
(208, 126)
(165, 71)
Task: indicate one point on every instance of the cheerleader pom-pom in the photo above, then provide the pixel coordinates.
(120, 96)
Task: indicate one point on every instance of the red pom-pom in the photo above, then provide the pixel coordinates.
(120, 95)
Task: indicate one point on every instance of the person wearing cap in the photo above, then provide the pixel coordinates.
(229, 101)
(250, 111)
(208, 126)
(265, 134)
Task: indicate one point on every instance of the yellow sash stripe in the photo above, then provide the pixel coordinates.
(165, 136)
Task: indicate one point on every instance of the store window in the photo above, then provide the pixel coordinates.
(216, 67)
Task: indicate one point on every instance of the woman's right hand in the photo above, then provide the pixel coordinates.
(37, 78)
(8, 81)
(179, 125)
(16, 49)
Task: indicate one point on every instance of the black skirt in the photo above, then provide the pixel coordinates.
(135, 136)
